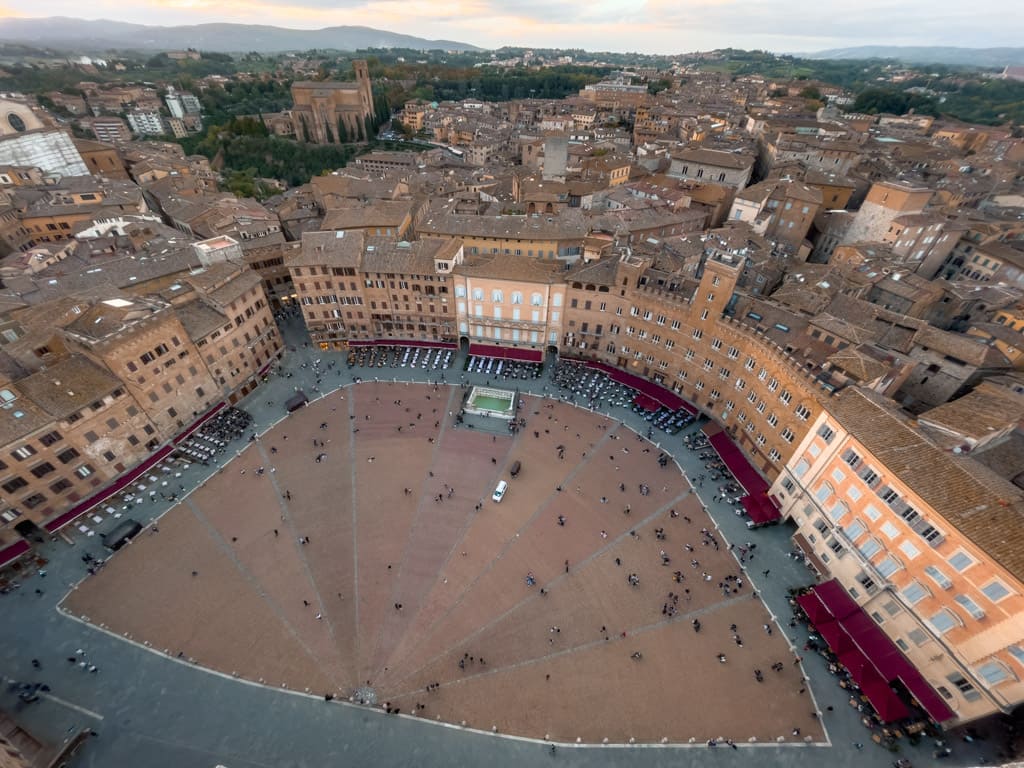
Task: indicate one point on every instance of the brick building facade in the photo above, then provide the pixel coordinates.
(116, 378)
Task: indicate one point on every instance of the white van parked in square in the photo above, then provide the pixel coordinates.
(499, 492)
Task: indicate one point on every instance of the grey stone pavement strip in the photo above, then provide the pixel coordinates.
(153, 711)
(417, 520)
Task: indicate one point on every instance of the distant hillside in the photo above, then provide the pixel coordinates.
(972, 57)
(86, 36)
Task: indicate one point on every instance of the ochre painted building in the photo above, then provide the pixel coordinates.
(927, 541)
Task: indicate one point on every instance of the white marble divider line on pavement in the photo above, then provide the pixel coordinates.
(340, 699)
(57, 700)
(548, 743)
(69, 705)
(194, 665)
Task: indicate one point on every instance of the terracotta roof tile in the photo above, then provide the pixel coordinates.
(982, 506)
(68, 385)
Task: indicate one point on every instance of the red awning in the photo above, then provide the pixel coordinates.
(854, 661)
(519, 354)
(873, 655)
(419, 343)
(760, 509)
(886, 703)
(932, 703)
(891, 664)
(873, 641)
(876, 645)
(814, 608)
(836, 637)
(13, 552)
(889, 661)
(646, 403)
(97, 498)
(745, 474)
(859, 624)
(836, 599)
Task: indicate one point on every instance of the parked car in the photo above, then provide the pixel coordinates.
(499, 492)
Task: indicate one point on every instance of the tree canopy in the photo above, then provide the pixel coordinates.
(874, 101)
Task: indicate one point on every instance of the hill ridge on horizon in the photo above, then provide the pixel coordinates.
(263, 38)
(83, 35)
(926, 54)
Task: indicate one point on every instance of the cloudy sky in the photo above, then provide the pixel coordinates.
(650, 26)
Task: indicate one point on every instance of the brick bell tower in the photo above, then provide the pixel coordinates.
(717, 285)
(362, 73)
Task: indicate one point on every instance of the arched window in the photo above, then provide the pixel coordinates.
(460, 291)
(870, 547)
(945, 620)
(517, 297)
(536, 299)
(889, 565)
(497, 296)
(915, 592)
(824, 493)
(839, 511)
(478, 294)
(854, 530)
(994, 672)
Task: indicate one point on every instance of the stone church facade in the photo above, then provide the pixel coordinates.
(319, 108)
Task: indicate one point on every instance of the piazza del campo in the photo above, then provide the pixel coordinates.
(371, 399)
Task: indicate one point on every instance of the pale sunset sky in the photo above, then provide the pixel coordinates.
(649, 26)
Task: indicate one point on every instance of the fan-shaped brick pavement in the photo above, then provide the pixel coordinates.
(294, 576)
